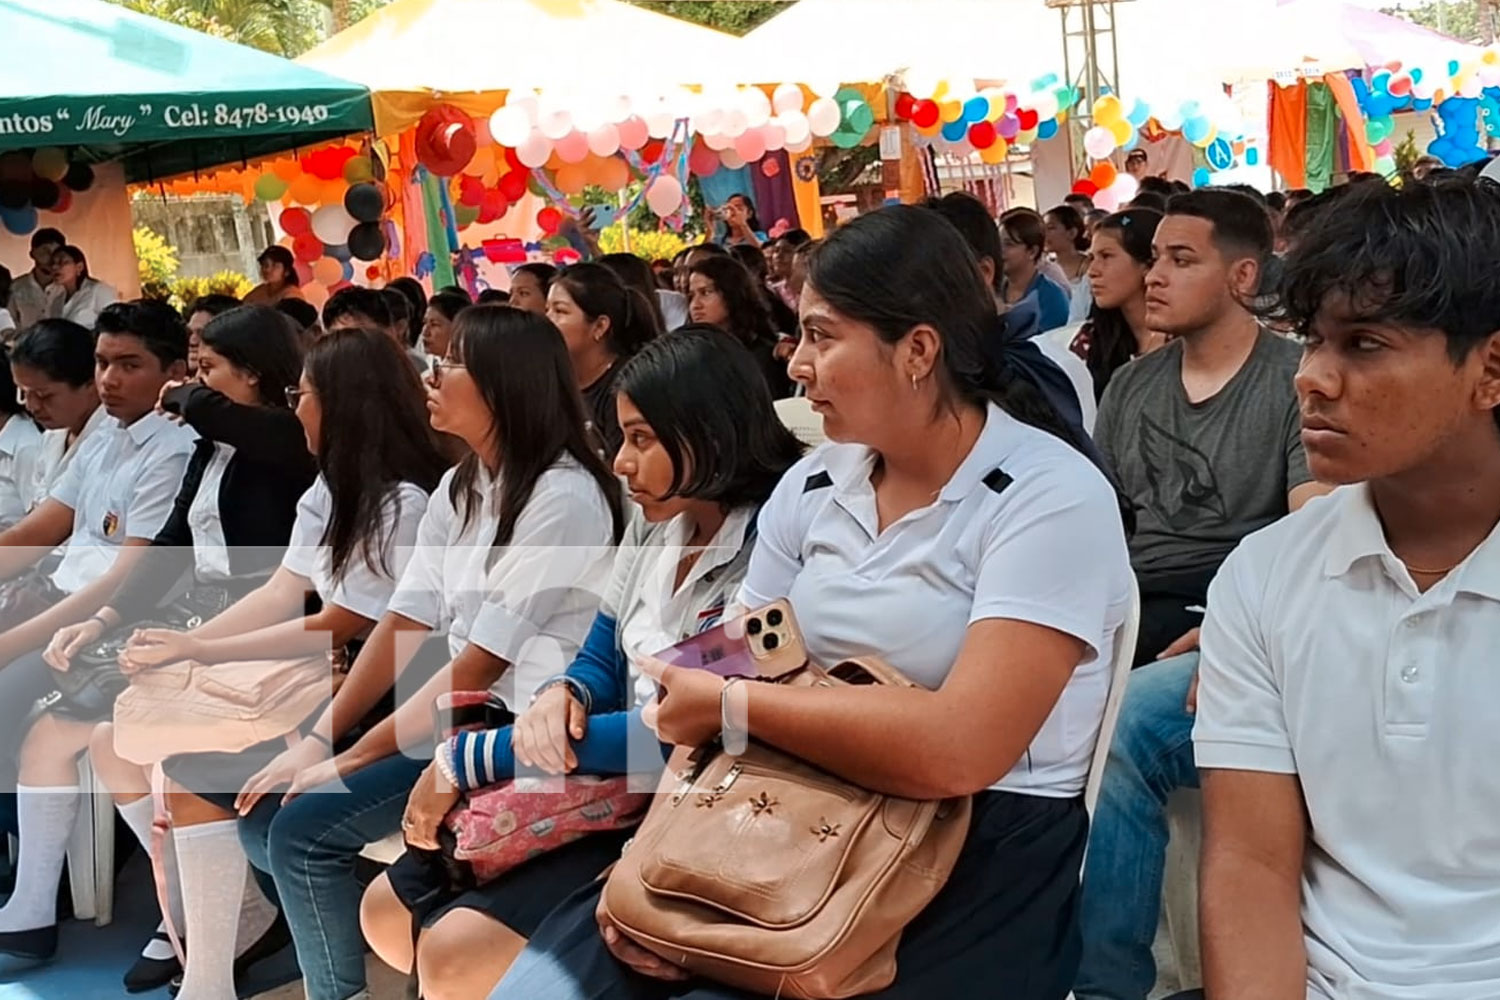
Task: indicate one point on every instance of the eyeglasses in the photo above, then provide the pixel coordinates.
(294, 395)
(435, 370)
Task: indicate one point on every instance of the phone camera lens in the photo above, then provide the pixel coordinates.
(753, 626)
(770, 641)
(773, 618)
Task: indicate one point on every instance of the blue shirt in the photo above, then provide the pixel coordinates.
(1052, 302)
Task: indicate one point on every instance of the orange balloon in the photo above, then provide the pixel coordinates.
(614, 174)
(327, 271)
(1103, 175)
(287, 169)
(571, 179)
(306, 190)
(333, 191)
(484, 160)
(554, 161)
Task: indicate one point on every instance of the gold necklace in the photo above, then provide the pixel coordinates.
(1432, 572)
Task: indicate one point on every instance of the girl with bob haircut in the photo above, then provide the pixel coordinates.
(702, 451)
(954, 533)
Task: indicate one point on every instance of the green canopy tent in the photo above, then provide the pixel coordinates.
(107, 83)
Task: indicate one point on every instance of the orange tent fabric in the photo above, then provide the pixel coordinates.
(1288, 133)
(1361, 156)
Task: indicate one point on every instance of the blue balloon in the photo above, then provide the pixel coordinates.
(1047, 129)
(956, 130)
(348, 270)
(1140, 113)
(1201, 177)
(1453, 67)
(338, 251)
(1252, 156)
(1416, 74)
(1422, 104)
(18, 221)
(1196, 129)
(976, 109)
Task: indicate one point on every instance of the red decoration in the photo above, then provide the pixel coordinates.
(445, 140)
(504, 251)
(770, 167)
(1086, 187)
(925, 114)
(328, 164)
(372, 272)
(307, 247)
(296, 221)
(982, 135)
(905, 105)
(513, 161)
(550, 219)
(513, 185)
(653, 151)
(470, 191)
(1028, 119)
(492, 207)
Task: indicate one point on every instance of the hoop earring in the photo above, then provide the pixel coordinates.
(915, 384)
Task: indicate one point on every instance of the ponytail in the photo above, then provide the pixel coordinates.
(598, 291)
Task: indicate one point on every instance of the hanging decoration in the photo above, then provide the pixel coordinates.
(41, 180)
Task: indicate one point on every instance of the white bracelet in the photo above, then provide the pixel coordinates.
(734, 722)
(444, 759)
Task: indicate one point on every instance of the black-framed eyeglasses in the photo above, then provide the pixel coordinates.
(435, 368)
(294, 395)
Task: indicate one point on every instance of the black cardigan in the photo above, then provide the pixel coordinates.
(268, 473)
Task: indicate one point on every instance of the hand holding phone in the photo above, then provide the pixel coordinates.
(763, 643)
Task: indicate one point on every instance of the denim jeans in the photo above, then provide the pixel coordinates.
(310, 846)
(1151, 756)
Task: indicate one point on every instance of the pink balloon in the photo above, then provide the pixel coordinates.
(1009, 126)
(482, 136)
(665, 195)
(535, 150)
(731, 159)
(751, 146)
(703, 161)
(633, 133)
(573, 147)
(604, 140)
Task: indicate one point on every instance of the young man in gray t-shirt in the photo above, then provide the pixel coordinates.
(1203, 436)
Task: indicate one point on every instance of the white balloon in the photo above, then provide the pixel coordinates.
(664, 196)
(534, 150)
(735, 123)
(921, 82)
(1099, 142)
(710, 119)
(1044, 103)
(554, 124)
(797, 129)
(823, 117)
(756, 105)
(799, 147)
(731, 159)
(332, 224)
(618, 108)
(1124, 188)
(788, 98)
(1107, 200)
(824, 87)
(510, 126)
(605, 140)
(527, 103)
(659, 124)
(775, 135)
(717, 141)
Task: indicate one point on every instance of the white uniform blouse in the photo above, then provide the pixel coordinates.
(1027, 529)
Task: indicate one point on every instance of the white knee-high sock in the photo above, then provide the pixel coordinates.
(213, 869)
(45, 817)
(138, 816)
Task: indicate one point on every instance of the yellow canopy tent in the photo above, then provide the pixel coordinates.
(415, 54)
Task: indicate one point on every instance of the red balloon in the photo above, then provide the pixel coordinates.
(905, 105)
(925, 114)
(307, 247)
(1028, 119)
(550, 219)
(296, 221)
(982, 135)
(513, 185)
(493, 206)
(1086, 187)
(653, 151)
(514, 161)
(470, 191)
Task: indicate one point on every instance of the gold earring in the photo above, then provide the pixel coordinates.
(914, 381)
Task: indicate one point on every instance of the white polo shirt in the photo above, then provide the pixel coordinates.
(121, 484)
(20, 445)
(1321, 659)
(530, 603)
(1027, 529)
(55, 455)
(364, 589)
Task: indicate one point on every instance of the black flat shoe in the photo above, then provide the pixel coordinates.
(152, 973)
(27, 948)
(276, 937)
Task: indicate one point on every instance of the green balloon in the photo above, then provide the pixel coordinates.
(269, 187)
(464, 215)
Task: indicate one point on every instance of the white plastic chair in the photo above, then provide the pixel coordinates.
(91, 850)
(1119, 676)
(796, 414)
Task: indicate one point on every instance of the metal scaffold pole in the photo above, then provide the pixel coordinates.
(1091, 60)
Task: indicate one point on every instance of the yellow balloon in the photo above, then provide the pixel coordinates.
(1108, 110)
(993, 154)
(1121, 129)
(952, 111)
(50, 163)
(1026, 137)
(941, 92)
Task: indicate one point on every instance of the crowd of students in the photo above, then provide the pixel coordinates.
(1279, 428)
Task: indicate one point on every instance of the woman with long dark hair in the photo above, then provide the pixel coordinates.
(20, 448)
(512, 557)
(1068, 242)
(278, 278)
(722, 293)
(604, 322)
(703, 450)
(529, 285)
(437, 323)
(1116, 331)
(361, 416)
(952, 530)
(636, 273)
(52, 365)
(82, 297)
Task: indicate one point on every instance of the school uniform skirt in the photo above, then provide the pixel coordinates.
(1005, 925)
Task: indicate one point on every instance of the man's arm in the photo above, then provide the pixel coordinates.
(1250, 886)
(36, 534)
(78, 606)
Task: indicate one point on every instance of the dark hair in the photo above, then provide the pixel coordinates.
(362, 303)
(448, 304)
(458, 290)
(599, 292)
(751, 258)
(301, 312)
(1276, 201)
(903, 266)
(1158, 185)
(44, 236)
(1251, 191)
(972, 219)
(1080, 199)
(1069, 218)
(260, 340)
(1242, 227)
(1112, 342)
(214, 305)
(749, 316)
(281, 255)
(636, 273)
(1136, 154)
(795, 238)
(1297, 195)
(402, 319)
(1025, 228)
(5, 283)
(709, 406)
(58, 348)
(10, 399)
(545, 274)
(1151, 201)
(416, 301)
(493, 297)
(76, 255)
(1420, 257)
(519, 364)
(708, 249)
(375, 436)
(1302, 213)
(754, 220)
(159, 326)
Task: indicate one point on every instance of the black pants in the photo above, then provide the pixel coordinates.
(1165, 599)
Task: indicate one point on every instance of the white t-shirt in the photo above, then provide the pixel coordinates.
(54, 455)
(1027, 529)
(121, 484)
(530, 603)
(1078, 373)
(20, 445)
(1322, 660)
(88, 302)
(674, 308)
(364, 590)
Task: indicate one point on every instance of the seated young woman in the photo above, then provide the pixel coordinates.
(361, 412)
(950, 530)
(512, 558)
(702, 451)
(232, 514)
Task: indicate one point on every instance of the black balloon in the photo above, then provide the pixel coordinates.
(15, 194)
(80, 177)
(45, 194)
(366, 241)
(364, 202)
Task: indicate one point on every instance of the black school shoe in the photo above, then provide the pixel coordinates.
(152, 973)
(276, 937)
(23, 949)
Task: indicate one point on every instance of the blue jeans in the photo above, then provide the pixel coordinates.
(310, 846)
(1151, 757)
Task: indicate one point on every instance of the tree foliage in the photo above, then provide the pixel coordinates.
(734, 16)
(1467, 20)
